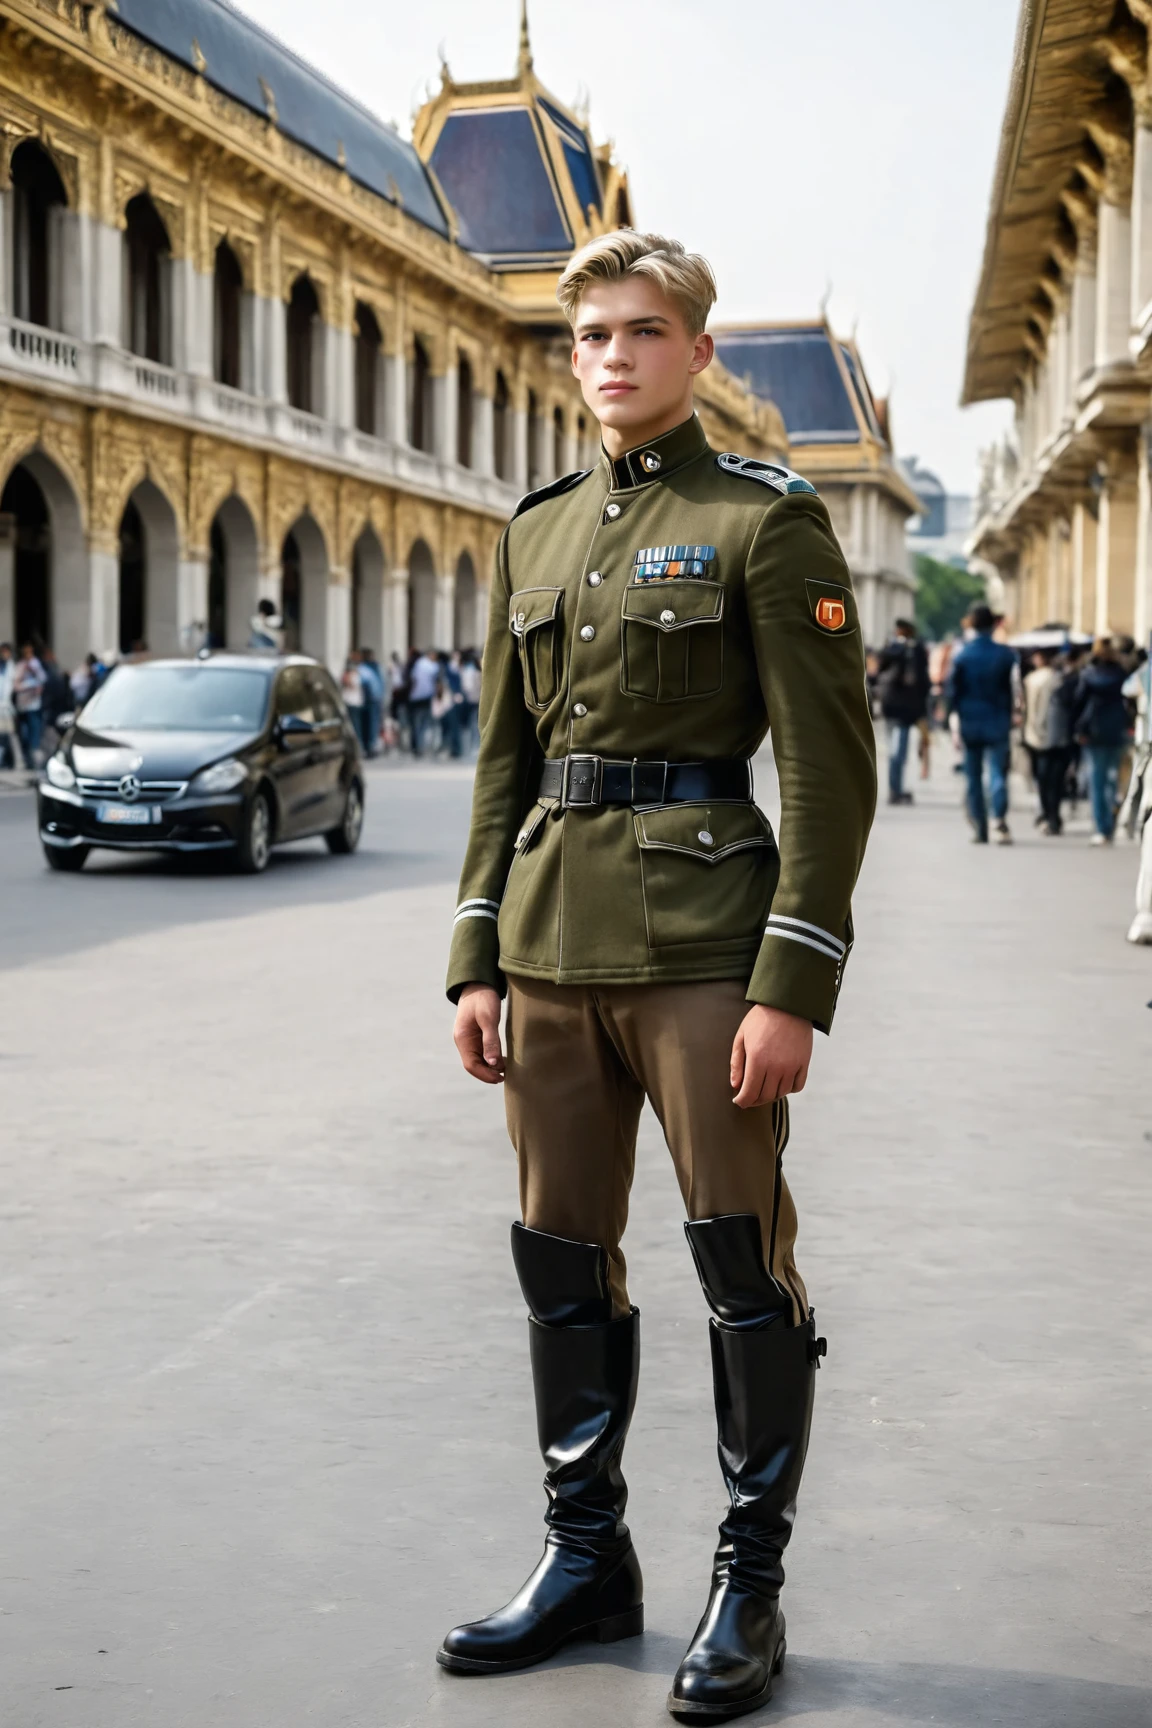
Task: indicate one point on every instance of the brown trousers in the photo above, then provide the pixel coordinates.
(582, 1059)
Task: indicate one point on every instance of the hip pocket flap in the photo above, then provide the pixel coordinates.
(533, 606)
(670, 605)
(705, 831)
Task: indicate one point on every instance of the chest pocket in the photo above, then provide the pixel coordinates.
(672, 644)
(534, 619)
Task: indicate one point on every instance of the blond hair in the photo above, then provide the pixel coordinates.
(685, 277)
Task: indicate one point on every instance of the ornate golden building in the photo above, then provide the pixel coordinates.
(1062, 323)
(254, 343)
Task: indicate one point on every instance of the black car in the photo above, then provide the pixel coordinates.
(228, 752)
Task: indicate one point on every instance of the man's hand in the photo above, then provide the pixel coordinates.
(476, 1033)
(770, 1056)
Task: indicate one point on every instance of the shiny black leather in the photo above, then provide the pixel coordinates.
(730, 1265)
(588, 1582)
(764, 1384)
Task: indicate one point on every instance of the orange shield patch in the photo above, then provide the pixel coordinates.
(831, 614)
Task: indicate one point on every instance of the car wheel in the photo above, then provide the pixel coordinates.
(65, 857)
(346, 838)
(255, 844)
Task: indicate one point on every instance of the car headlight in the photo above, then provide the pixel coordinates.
(59, 773)
(221, 777)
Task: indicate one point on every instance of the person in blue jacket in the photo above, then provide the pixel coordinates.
(982, 690)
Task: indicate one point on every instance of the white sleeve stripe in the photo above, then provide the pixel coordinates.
(812, 929)
(795, 936)
(475, 912)
(479, 902)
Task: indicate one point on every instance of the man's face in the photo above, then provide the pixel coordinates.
(634, 356)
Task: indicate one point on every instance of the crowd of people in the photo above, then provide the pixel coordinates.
(426, 704)
(1076, 709)
(35, 691)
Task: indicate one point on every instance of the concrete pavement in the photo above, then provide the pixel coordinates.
(266, 1418)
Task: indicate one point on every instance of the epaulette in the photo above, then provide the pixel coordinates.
(554, 489)
(768, 473)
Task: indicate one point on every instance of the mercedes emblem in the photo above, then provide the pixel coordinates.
(129, 788)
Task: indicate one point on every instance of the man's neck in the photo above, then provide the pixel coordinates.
(618, 442)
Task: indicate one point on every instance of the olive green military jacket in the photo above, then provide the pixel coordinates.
(586, 655)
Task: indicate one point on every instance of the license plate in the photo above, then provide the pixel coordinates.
(126, 815)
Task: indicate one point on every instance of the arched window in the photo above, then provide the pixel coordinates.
(37, 194)
(420, 416)
(367, 367)
(581, 440)
(535, 453)
(303, 344)
(133, 584)
(558, 441)
(464, 412)
(500, 427)
(227, 293)
(149, 257)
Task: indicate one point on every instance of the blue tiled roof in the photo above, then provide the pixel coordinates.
(797, 370)
(239, 56)
(581, 166)
(491, 166)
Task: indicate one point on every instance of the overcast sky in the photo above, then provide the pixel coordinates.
(796, 145)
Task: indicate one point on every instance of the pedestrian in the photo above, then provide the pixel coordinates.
(399, 679)
(1103, 726)
(266, 629)
(451, 714)
(982, 694)
(423, 677)
(646, 617)
(372, 684)
(352, 690)
(902, 685)
(1047, 735)
(28, 681)
(470, 687)
(9, 744)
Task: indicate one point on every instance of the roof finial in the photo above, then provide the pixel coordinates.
(524, 65)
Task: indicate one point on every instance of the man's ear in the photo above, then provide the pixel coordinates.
(575, 372)
(702, 353)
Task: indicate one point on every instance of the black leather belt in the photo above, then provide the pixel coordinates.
(584, 782)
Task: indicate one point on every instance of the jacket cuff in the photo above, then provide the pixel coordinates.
(474, 957)
(799, 971)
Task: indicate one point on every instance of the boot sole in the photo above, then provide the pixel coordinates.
(608, 1631)
(688, 1710)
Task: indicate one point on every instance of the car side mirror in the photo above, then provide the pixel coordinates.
(292, 726)
(63, 721)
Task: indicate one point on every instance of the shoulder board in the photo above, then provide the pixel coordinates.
(553, 490)
(781, 480)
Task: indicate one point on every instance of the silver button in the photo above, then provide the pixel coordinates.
(579, 710)
(612, 511)
(705, 838)
(520, 618)
(587, 633)
(651, 461)
(594, 578)
(667, 616)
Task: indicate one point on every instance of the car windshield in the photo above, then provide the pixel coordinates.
(180, 699)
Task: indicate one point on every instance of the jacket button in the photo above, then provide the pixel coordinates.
(705, 838)
(579, 710)
(587, 633)
(612, 511)
(667, 616)
(594, 578)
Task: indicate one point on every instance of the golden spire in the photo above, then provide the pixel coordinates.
(524, 64)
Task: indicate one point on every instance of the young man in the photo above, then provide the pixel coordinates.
(903, 683)
(647, 618)
(983, 691)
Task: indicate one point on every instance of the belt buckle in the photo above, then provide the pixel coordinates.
(583, 782)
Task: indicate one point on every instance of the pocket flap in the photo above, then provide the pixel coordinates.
(532, 606)
(671, 604)
(705, 831)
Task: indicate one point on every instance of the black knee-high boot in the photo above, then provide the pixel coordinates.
(584, 1370)
(763, 1371)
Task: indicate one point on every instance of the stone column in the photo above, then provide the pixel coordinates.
(275, 349)
(1113, 285)
(445, 609)
(1142, 609)
(5, 254)
(444, 406)
(1082, 317)
(483, 452)
(7, 578)
(519, 466)
(104, 598)
(107, 285)
(338, 622)
(1116, 548)
(192, 602)
(340, 405)
(1083, 566)
(1141, 222)
(396, 399)
(396, 613)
